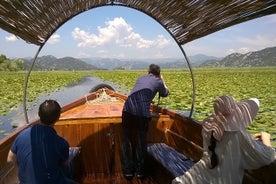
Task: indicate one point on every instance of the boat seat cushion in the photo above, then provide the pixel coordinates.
(175, 162)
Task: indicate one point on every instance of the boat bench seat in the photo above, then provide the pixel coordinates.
(173, 161)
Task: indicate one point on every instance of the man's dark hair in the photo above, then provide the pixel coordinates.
(154, 69)
(49, 112)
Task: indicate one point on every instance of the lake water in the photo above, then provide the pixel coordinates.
(67, 94)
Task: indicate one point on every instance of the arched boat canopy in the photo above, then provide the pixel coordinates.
(36, 20)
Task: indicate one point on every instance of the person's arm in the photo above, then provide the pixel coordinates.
(11, 157)
(161, 77)
(165, 91)
(256, 153)
(264, 137)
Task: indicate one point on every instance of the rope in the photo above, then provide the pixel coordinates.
(103, 98)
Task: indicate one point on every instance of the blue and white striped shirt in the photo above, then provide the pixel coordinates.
(142, 94)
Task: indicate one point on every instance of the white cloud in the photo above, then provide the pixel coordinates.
(162, 42)
(135, 40)
(251, 44)
(112, 33)
(242, 50)
(118, 32)
(55, 38)
(11, 38)
(258, 41)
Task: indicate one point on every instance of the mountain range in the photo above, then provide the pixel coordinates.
(52, 63)
(265, 57)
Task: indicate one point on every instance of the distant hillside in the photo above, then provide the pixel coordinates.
(265, 57)
(109, 63)
(53, 63)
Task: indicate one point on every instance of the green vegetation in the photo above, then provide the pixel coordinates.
(10, 65)
(12, 85)
(241, 83)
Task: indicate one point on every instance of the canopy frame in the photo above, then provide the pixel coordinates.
(35, 21)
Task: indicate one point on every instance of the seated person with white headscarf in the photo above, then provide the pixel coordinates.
(229, 149)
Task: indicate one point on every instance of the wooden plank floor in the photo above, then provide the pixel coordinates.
(116, 178)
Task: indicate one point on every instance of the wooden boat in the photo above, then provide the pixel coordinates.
(93, 122)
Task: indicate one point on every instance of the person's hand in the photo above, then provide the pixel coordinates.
(264, 137)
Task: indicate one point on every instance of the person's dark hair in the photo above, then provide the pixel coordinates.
(154, 69)
(214, 157)
(49, 112)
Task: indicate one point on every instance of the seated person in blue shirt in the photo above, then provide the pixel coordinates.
(135, 119)
(41, 154)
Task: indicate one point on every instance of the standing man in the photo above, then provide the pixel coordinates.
(135, 119)
(41, 154)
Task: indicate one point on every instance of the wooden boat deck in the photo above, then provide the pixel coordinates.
(116, 178)
(96, 110)
(104, 109)
(104, 105)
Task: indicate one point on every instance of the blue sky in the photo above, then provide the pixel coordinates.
(119, 32)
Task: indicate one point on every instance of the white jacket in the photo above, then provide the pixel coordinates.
(236, 152)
